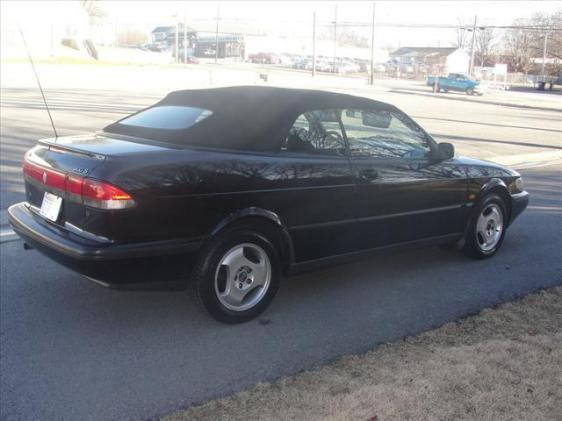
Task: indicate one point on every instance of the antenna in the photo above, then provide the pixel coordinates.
(38, 81)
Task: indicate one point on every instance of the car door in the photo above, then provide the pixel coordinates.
(460, 82)
(318, 203)
(402, 193)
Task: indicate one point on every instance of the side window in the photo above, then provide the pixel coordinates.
(316, 132)
(301, 123)
(383, 134)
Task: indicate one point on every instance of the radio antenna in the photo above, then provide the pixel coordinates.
(38, 81)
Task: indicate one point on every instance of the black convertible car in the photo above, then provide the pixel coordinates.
(232, 187)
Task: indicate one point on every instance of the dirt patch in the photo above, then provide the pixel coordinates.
(504, 363)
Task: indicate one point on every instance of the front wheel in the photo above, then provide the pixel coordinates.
(487, 228)
(238, 276)
(470, 91)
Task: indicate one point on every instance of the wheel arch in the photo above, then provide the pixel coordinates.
(266, 222)
(494, 186)
(497, 186)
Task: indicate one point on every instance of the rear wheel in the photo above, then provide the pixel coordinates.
(487, 229)
(237, 276)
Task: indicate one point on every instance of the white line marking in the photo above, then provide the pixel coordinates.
(547, 208)
(7, 232)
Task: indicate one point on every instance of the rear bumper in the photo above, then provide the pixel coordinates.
(519, 202)
(108, 263)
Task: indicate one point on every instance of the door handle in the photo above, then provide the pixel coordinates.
(368, 174)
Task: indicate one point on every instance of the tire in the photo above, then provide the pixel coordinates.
(237, 276)
(470, 91)
(486, 230)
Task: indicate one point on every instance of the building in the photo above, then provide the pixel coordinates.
(164, 37)
(200, 44)
(229, 45)
(430, 60)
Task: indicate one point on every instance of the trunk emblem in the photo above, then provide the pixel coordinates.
(44, 178)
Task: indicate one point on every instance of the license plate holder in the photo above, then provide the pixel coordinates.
(50, 207)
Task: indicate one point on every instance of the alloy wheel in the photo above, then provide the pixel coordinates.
(489, 227)
(243, 277)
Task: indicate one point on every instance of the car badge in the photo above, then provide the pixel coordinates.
(44, 178)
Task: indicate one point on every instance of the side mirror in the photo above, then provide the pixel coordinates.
(446, 151)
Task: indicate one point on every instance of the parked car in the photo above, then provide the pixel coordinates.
(300, 63)
(456, 82)
(230, 188)
(286, 60)
(347, 66)
(264, 58)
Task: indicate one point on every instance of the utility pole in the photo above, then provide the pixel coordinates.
(185, 36)
(217, 34)
(544, 57)
(372, 78)
(471, 66)
(335, 36)
(313, 44)
(52, 39)
(177, 41)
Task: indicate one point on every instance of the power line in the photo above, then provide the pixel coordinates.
(394, 24)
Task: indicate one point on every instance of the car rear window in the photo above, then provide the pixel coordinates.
(171, 117)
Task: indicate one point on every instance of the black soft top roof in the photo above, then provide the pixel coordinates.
(254, 117)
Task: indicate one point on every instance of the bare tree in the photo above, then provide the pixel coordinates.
(462, 35)
(485, 46)
(519, 44)
(552, 28)
(93, 9)
(131, 37)
(524, 45)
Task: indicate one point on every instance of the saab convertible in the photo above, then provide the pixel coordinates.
(231, 188)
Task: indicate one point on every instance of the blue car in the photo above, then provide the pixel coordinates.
(456, 82)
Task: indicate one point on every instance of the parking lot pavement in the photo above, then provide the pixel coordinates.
(74, 350)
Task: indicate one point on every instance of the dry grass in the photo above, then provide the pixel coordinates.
(505, 363)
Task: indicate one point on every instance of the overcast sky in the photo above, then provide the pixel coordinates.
(294, 18)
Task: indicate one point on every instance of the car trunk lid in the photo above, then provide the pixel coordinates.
(64, 170)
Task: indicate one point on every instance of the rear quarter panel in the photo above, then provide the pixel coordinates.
(186, 193)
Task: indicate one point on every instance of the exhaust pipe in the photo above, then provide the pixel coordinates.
(27, 246)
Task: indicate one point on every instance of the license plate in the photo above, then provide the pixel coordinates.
(50, 207)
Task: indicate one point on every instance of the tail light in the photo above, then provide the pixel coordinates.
(94, 193)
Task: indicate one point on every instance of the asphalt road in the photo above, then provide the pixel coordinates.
(73, 350)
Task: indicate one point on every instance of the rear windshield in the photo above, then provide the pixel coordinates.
(210, 123)
(169, 117)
